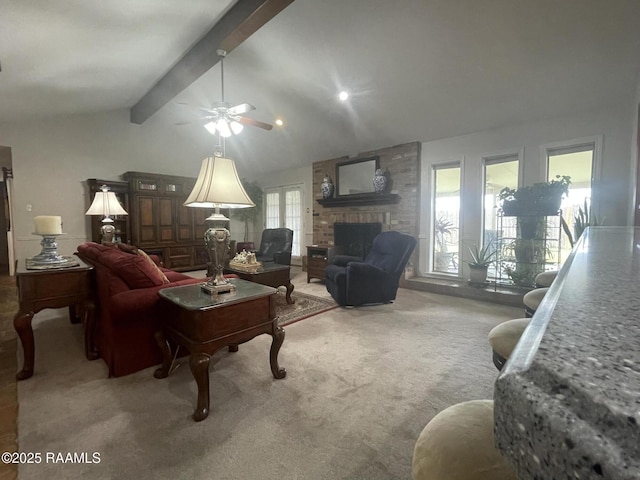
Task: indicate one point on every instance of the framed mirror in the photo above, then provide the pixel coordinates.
(356, 176)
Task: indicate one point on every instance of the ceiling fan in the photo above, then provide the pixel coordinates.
(223, 118)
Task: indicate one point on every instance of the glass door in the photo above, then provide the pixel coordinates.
(283, 209)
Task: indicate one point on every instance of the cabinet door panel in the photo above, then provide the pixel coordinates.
(167, 227)
(185, 223)
(147, 229)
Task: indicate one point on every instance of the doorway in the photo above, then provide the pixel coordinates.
(283, 208)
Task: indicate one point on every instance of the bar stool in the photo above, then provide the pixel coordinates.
(504, 337)
(458, 444)
(545, 279)
(532, 300)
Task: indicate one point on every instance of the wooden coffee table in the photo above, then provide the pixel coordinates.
(270, 274)
(205, 323)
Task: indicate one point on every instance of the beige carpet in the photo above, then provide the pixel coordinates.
(360, 386)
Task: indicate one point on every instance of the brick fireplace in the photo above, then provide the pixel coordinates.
(401, 163)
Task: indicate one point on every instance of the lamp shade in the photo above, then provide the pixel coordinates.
(105, 203)
(218, 185)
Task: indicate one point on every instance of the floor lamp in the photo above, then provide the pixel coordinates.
(218, 186)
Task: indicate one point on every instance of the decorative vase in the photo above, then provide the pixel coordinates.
(379, 181)
(327, 187)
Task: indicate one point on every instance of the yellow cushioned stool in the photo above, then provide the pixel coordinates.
(503, 339)
(532, 300)
(545, 279)
(458, 444)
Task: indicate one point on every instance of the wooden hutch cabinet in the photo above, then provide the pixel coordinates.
(162, 225)
(121, 222)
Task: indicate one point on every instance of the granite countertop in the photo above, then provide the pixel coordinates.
(567, 404)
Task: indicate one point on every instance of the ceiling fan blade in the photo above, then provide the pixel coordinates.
(240, 109)
(205, 119)
(210, 111)
(254, 123)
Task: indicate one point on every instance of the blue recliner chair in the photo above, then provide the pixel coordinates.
(374, 279)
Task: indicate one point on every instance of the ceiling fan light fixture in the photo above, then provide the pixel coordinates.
(236, 127)
(223, 128)
(211, 127)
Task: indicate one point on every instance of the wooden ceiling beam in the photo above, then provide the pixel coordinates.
(238, 24)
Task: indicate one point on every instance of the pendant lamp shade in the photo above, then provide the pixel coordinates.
(218, 185)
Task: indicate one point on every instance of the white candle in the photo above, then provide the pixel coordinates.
(48, 225)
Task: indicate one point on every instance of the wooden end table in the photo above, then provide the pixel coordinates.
(270, 274)
(205, 323)
(52, 288)
(318, 257)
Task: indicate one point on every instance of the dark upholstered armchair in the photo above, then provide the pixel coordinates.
(374, 279)
(275, 246)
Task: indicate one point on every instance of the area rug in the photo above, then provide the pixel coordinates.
(305, 306)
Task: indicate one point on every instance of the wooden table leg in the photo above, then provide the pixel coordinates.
(76, 313)
(278, 338)
(199, 364)
(288, 295)
(22, 324)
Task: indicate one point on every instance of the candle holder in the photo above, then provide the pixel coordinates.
(48, 257)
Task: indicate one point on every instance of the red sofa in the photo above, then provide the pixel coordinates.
(128, 307)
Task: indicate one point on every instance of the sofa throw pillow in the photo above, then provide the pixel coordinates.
(125, 247)
(134, 270)
(153, 266)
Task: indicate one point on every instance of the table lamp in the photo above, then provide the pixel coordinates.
(218, 186)
(106, 203)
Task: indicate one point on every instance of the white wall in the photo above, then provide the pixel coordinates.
(612, 193)
(52, 158)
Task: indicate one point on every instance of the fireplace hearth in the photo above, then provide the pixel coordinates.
(355, 239)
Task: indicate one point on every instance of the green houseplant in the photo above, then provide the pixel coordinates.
(249, 215)
(539, 199)
(443, 229)
(584, 219)
(481, 259)
(531, 204)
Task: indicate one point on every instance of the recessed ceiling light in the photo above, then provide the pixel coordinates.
(343, 95)
(279, 122)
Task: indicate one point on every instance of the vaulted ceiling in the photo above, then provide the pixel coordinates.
(416, 69)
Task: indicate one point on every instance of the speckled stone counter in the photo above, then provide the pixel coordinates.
(567, 404)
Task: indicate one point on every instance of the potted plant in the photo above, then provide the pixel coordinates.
(524, 259)
(585, 219)
(481, 259)
(443, 231)
(539, 199)
(249, 215)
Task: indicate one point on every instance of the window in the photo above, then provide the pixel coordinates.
(446, 217)
(272, 210)
(283, 208)
(576, 162)
(499, 173)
